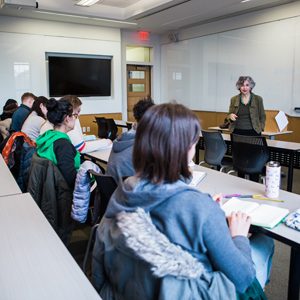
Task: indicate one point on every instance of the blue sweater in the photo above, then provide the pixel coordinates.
(188, 218)
(19, 117)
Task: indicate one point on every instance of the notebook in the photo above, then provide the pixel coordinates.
(261, 214)
(197, 177)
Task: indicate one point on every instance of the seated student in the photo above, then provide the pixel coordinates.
(164, 144)
(76, 135)
(22, 112)
(120, 160)
(33, 123)
(9, 108)
(55, 144)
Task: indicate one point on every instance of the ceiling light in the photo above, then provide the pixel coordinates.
(244, 1)
(84, 17)
(86, 2)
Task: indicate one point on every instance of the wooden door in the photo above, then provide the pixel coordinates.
(138, 86)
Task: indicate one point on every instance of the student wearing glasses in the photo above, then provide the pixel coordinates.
(55, 144)
(75, 134)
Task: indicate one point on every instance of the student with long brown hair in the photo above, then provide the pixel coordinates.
(165, 142)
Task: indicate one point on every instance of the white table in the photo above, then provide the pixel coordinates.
(124, 124)
(8, 185)
(216, 182)
(268, 134)
(34, 263)
(100, 155)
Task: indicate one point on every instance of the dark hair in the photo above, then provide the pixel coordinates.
(74, 100)
(58, 110)
(163, 138)
(27, 95)
(141, 106)
(241, 81)
(10, 103)
(36, 106)
(10, 106)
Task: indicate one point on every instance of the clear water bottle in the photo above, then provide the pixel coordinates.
(273, 176)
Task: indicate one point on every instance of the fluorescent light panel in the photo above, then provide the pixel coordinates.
(86, 2)
(84, 17)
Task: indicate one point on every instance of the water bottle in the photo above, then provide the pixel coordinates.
(273, 173)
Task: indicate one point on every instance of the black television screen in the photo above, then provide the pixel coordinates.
(79, 76)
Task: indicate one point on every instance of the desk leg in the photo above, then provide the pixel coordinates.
(197, 153)
(290, 173)
(294, 276)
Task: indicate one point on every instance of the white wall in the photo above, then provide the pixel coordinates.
(202, 68)
(24, 43)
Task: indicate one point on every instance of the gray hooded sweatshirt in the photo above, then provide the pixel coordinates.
(188, 218)
(120, 160)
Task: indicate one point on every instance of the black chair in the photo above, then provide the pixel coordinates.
(214, 150)
(106, 185)
(129, 125)
(249, 154)
(102, 127)
(112, 129)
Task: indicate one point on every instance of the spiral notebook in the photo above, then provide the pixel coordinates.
(261, 214)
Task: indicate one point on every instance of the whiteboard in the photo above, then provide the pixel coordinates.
(201, 73)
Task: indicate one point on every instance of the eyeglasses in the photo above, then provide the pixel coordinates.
(75, 115)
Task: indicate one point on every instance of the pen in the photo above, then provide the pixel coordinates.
(260, 197)
(257, 197)
(237, 195)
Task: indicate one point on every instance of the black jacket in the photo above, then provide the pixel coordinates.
(52, 194)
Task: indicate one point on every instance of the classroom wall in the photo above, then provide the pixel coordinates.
(24, 43)
(201, 69)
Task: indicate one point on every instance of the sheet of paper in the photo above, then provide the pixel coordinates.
(235, 204)
(281, 120)
(197, 177)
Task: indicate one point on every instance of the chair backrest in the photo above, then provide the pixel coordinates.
(249, 153)
(102, 127)
(215, 147)
(112, 129)
(106, 186)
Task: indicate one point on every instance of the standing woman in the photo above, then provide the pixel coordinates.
(56, 145)
(164, 144)
(246, 111)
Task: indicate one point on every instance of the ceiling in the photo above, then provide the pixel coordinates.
(156, 16)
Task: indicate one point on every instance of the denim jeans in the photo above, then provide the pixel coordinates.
(262, 250)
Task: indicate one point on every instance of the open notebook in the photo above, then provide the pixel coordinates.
(261, 214)
(197, 177)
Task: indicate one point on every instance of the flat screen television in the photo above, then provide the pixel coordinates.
(80, 76)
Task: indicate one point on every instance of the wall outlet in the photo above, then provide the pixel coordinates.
(88, 129)
(83, 129)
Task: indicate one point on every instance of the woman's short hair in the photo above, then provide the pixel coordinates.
(58, 111)
(36, 106)
(141, 106)
(74, 100)
(241, 81)
(163, 138)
